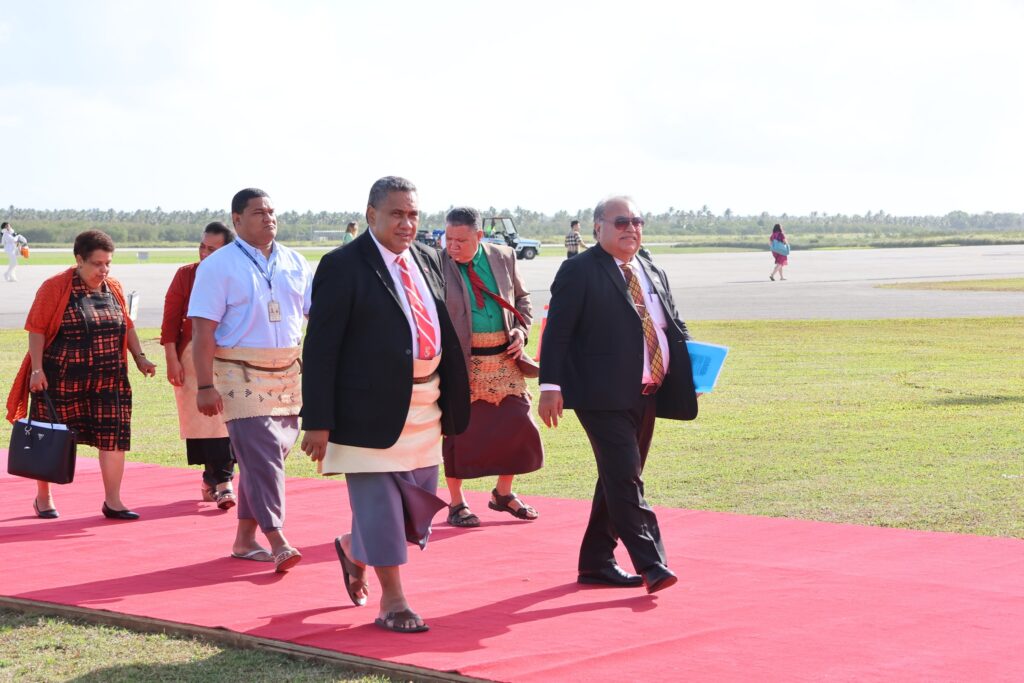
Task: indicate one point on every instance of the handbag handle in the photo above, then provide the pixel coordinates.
(49, 406)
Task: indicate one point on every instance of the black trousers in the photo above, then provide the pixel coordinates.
(620, 440)
(215, 456)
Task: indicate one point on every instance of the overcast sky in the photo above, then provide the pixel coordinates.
(908, 107)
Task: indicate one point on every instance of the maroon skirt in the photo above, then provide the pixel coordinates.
(501, 439)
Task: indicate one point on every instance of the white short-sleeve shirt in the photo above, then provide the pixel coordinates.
(232, 289)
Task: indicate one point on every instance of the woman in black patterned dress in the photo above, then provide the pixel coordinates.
(84, 366)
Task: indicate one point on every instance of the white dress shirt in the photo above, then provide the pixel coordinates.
(418, 281)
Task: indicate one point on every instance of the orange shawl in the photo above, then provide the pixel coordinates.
(44, 318)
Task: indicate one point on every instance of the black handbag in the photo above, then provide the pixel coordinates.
(42, 450)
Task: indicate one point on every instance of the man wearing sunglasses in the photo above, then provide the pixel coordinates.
(614, 350)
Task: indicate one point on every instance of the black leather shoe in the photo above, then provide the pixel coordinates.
(44, 514)
(610, 576)
(111, 513)
(658, 577)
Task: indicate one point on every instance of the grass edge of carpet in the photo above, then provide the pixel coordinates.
(365, 665)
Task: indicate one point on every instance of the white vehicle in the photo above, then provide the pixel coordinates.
(502, 230)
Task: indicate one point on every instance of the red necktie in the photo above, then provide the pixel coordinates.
(479, 289)
(424, 328)
(650, 336)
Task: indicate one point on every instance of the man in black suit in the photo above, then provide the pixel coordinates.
(383, 378)
(614, 349)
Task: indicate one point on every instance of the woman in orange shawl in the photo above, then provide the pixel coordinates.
(79, 334)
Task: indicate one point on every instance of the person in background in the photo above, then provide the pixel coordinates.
(247, 310)
(206, 438)
(490, 309)
(79, 337)
(573, 241)
(780, 252)
(615, 348)
(12, 246)
(351, 230)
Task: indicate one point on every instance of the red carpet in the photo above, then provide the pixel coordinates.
(759, 598)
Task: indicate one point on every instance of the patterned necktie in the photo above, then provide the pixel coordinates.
(424, 328)
(479, 289)
(650, 337)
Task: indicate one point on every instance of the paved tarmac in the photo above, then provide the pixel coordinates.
(719, 286)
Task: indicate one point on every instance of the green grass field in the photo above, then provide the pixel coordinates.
(893, 423)
(907, 423)
(1011, 284)
(45, 648)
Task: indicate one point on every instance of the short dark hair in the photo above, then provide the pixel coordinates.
(574, 224)
(218, 228)
(242, 197)
(463, 215)
(92, 240)
(387, 185)
(5, 224)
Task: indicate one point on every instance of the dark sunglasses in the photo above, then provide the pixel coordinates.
(621, 222)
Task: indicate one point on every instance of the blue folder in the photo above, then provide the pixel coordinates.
(707, 361)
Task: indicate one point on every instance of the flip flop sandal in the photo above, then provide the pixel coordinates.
(225, 499)
(258, 555)
(502, 504)
(350, 570)
(455, 519)
(286, 559)
(395, 617)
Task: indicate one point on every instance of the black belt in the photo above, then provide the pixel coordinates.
(648, 389)
(489, 350)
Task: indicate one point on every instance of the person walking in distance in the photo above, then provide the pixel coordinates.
(780, 252)
(573, 241)
(12, 244)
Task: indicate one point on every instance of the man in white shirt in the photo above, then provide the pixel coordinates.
(247, 309)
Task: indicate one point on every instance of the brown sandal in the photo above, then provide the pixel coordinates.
(389, 622)
(503, 504)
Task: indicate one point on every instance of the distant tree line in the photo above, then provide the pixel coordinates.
(154, 226)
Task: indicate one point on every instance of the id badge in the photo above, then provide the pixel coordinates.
(274, 311)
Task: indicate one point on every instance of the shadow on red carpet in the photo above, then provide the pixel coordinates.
(759, 598)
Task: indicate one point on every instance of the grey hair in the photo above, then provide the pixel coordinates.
(463, 215)
(385, 186)
(599, 209)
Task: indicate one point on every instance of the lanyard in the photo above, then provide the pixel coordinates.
(268, 276)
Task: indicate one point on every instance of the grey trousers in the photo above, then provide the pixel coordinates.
(260, 445)
(378, 514)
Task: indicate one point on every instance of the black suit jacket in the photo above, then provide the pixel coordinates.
(357, 356)
(593, 345)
